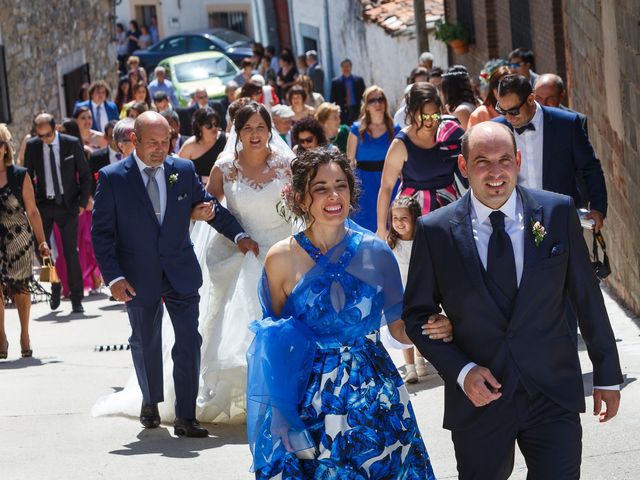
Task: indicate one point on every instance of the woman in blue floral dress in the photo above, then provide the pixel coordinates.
(324, 398)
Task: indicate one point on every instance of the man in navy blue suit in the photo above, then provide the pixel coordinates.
(554, 145)
(140, 235)
(346, 92)
(501, 262)
(102, 109)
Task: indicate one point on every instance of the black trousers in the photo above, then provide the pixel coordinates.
(67, 221)
(548, 435)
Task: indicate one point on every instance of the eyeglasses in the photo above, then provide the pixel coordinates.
(46, 135)
(514, 65)
(512, 111)
(210, 125)
(306, 139)
(434, 117)
(373, 100)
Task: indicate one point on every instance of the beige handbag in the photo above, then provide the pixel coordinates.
(48, 273)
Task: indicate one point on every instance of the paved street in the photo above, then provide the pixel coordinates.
(47, 432)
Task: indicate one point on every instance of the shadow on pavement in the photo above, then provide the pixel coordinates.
(587, 381)
(19, 363)
(432, 380)
(58, 316)
(160, 441)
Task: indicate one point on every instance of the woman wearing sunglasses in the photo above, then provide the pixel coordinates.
(424, 155)
(308, 134)
(207, 142)
(367, 146)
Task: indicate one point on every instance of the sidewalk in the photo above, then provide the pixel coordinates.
(47, 432)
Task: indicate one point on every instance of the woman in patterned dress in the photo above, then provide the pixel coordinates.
(324, 400)
(18, 216)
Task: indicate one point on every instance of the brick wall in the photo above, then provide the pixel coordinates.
(603, 48)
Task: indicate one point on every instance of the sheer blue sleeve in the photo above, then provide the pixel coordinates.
(279, 363)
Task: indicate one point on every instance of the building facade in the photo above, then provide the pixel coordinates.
(43, 68)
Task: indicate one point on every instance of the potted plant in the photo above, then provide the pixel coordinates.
(454, 34)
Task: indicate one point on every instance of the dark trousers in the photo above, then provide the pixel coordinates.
(349, 114)
(146, 347)
(549, 437)
(67, 221)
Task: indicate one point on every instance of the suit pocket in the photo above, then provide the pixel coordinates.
(70, 157)
(553, 261)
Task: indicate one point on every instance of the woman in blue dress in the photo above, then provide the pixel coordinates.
(367, 145)
(324, 398)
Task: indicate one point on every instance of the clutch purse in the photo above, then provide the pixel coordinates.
(601, 268)
(48, 273)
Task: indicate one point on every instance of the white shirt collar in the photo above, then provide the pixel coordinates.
(141, 164)
(95, 105)
(483, 212)
(55, 143)
(536, 121)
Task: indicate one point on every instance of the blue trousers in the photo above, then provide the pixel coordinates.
(146, 347)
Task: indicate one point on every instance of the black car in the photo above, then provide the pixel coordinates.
(234, 45)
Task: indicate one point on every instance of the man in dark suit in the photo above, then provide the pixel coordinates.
(346, 92)
(102, 110)
(501, 262)
(315, 72)
(554, 146)
(201, 100)
(141, 240)
(104, 156)
(62, 183)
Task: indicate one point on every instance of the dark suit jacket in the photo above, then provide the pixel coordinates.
(76, 179)
(109, 107)
(316, 74)
(339, 92)
(186, 116)
(99, 158)
(533, 346)
(127, 239)
(567, 151)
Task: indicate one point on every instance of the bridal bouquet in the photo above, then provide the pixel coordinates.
(283, 207)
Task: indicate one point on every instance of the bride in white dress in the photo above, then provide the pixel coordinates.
(249, 175)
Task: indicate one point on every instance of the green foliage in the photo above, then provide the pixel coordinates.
(447, 32)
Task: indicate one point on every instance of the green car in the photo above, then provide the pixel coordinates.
(209, 70)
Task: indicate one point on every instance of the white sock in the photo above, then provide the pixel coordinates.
(410, 367)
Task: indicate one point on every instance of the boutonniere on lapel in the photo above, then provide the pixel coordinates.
(538, 232)
(173, 178)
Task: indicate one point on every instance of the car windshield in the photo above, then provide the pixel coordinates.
(231, 39)
(195, 70)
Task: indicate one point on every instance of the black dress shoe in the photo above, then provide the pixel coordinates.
(76, 307)
(189, 428)
(54, 300)
(149, 415)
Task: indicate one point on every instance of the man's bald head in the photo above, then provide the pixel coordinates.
(489, 129)
(152, 138)
(549, 90)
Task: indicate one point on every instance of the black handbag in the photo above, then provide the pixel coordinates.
(601, 268)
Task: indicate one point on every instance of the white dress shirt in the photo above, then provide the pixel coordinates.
(114, 156)
(530, 144)
(101, 116)
(514, 226)
(48, 176)
(162, 183)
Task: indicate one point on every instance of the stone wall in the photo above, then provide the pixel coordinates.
(603, 66)
(45, 39)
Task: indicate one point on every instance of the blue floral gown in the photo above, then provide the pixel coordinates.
(319, 376)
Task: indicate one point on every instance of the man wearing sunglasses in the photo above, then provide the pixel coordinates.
(62, 184)
(554, 146)
(522, 62)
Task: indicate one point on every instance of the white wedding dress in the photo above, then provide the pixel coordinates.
(229, 299)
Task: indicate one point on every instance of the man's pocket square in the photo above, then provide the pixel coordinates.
(70, 157)
(182, 197)
(557, 249)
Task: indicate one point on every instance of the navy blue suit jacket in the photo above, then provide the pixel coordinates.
(127, 239)
(533, 346)
(566, 151)
(109, 107)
